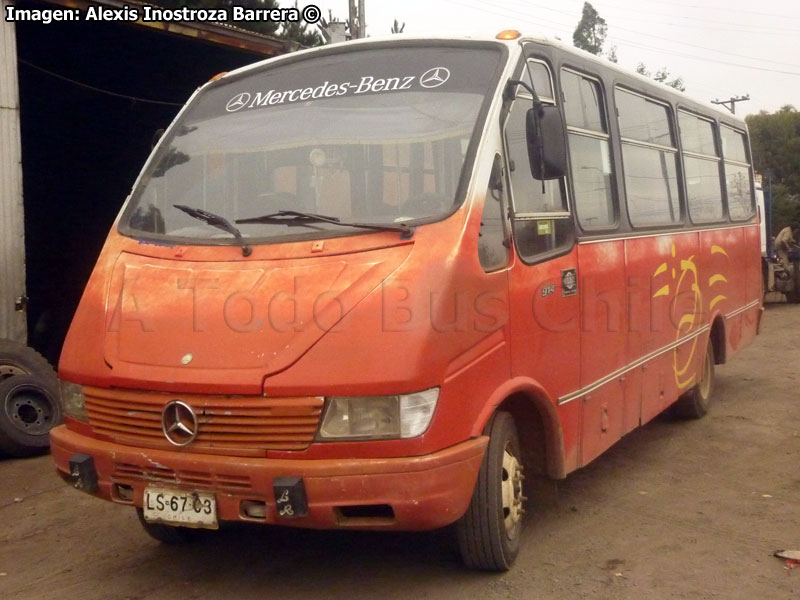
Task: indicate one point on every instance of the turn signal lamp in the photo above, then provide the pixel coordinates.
(508, 34)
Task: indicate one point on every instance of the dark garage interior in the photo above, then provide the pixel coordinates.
(92, 96)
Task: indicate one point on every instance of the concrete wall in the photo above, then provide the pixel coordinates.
(12, 231)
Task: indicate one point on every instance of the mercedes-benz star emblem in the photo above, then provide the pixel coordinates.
(179, 423)
(238, 102)
(434, 77)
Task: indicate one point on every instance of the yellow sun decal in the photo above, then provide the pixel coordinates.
(717, 278)
(687, 309)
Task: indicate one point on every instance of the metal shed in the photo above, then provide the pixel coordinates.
(79, 103)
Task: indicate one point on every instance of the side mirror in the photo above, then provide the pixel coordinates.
(547, 144)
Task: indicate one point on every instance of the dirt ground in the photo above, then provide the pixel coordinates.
(675, 510)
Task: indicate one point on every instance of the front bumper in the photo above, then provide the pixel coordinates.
(424, 492)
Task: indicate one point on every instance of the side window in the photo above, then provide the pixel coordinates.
(738, 181)
(701, 167)
(541, 215)
(492, 248)
(588, 151)
(649, 159)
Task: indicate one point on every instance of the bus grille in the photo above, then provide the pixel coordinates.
(195, 479)
(238, 425)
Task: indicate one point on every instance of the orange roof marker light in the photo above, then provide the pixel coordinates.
(508, 34)
(218, 76)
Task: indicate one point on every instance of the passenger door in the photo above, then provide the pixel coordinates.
(544, 287)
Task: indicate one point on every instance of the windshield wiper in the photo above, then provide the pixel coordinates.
(217, 221)
(300, 218)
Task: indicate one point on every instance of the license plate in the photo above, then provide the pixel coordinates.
(173, 507)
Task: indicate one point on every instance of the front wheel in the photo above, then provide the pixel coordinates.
(489, 533)
(695, 403)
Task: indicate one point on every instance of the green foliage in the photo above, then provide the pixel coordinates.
(775, 141)
(662, 76)
(611, 55)
(590, 34)
(300, 33)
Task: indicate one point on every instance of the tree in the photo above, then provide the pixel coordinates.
(612, 55)
(397, 27)
(662, 76)
(775, 141)
(590, 34)
(298, 31)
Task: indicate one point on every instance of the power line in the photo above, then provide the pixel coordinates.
(705, 23)
(96, 89)
(704, 59)
(659, 18)
(635, 44)
(679, 42)
(727, 9)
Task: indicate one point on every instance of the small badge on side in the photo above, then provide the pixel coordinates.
(569, 282)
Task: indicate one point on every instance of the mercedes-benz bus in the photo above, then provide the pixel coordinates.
(387, 284)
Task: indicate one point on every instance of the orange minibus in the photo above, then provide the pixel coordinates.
(379, 284)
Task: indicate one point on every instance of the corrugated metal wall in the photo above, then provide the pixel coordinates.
(12, 230)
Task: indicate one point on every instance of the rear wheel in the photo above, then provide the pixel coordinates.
(489, 533)
(29, 409)
(167, 534)
(695, 403)
(18, 359)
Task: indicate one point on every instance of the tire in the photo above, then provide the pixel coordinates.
(18, 359)
(167, 534)
(695, 403)
(29, 408)
(490, 531)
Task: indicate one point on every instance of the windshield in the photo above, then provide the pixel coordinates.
(378, 136)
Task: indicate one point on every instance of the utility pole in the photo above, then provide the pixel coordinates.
(732, 102)
(358, 24)
(351, 20)
(362, 20)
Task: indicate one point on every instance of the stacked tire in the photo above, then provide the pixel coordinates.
(30, 405)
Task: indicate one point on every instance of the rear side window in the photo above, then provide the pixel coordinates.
(701, 167)
(738, 182)
(650, 160)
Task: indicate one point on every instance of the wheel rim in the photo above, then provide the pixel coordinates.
(29, 410)
(705, 382)
(512, 491)
(9, 370)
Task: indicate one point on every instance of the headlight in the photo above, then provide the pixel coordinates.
(74, 401)
(378, 417)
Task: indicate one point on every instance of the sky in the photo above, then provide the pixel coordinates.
(721, 48)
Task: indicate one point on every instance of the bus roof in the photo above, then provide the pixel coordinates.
(663, 90)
